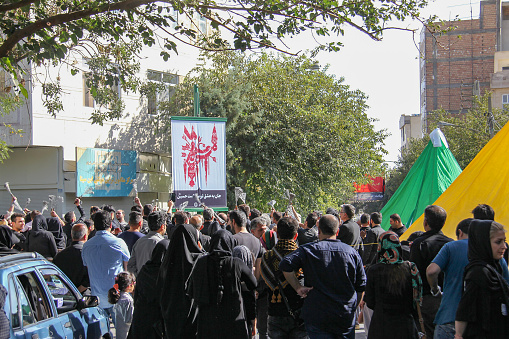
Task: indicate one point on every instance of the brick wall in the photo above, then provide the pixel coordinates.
(457, 59)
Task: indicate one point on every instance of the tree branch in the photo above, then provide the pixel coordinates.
(16, 5)
(59, 19)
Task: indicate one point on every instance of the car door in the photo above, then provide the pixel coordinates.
(65, 300)
(36, 316)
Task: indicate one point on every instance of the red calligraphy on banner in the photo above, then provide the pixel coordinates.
(197, 153)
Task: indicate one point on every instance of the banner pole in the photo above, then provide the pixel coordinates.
(196, 101)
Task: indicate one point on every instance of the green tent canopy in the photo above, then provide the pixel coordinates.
(435, 169)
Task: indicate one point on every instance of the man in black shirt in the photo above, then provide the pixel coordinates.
(210, 225)
(372, 236)
(422, 252)
(349, 231)
(282, 323)
(396, 225)
(309, 231)
(69, 260)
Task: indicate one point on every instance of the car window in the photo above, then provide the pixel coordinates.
(23, 306)
(62, 294)
(35, 295)
(13, 302)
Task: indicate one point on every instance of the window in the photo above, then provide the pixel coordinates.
(63, 297)
(505, 99)
(37, 303)
(88, 99)
(203, 25)
(169, 82)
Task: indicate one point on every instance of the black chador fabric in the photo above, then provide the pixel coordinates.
(147, 317)
(178, 312)
(486, 292)
(40, 240)
(6, 240)
(55, 227)
(215, 286)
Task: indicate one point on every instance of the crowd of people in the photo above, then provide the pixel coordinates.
(165, 274)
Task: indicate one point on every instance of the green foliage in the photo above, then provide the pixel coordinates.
(289, 127)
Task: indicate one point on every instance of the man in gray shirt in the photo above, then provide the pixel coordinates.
(142, 249)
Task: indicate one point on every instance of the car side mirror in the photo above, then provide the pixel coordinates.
(88, 301)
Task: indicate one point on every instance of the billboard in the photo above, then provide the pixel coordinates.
(198, 148)
(372, 191)
(105, 172)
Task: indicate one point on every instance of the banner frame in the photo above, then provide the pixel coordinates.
(201, 119)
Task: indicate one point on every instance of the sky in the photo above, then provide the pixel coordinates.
(387, 71)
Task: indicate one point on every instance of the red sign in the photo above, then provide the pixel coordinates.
(377, 185)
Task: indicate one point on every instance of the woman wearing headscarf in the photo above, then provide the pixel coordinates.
(483, 308)
(147, 318)
(55, 227)
(179, 315)
(393, 288)
(40, 240)
(215, 286)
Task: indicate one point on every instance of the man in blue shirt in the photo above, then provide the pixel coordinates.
(334, 279)
(105, 256)
(452, 259)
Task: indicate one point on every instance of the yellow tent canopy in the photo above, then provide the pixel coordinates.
(484, 181)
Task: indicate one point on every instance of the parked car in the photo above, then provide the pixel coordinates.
(43, 303)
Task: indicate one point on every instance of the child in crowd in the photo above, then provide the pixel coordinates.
(120, 297)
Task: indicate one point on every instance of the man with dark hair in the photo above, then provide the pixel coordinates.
(372, 236)
(423, 250)
(115, 225)
(105, 256)
(484, 212)
(120, 215)
(70, 220)
(93, 209)
(179, 218)
(133, 233)
(17, 225)
(349, 232)
(275, 215)
(335, 271)
(255, 213)
(334, 212)
(396, 225)
(145, 211)
(70, 261)
(142, 249)
(243, 237)
(309, 231)
(210, 225)
(451, 260)
(282, 323)
(247, 210)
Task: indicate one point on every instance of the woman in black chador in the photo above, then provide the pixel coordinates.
(179, 314)
(40, 240)
(483, 308)
(147, 318)
(215, 286)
